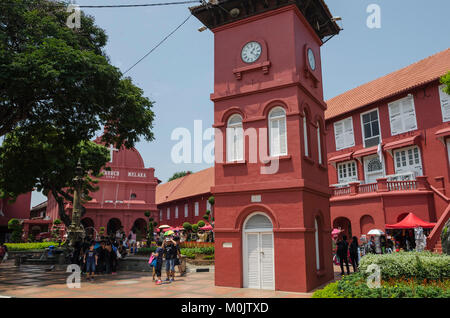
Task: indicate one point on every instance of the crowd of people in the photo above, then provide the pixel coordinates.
(100, 256)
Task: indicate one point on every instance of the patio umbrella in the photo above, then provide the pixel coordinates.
(375, 232)
(336, 232)
(206, 228)
(169, 233)
(164, 227)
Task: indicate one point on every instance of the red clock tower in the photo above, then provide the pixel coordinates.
(272, 218)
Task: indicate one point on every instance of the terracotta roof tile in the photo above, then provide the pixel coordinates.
(188, 186)
(419, 73)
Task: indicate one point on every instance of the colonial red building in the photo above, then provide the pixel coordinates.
(388, 149)
(184, 199)
(125, 193)
(20, 209)
(272, 227)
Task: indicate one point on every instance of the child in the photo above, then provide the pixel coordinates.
(91, 259)
(158, 254)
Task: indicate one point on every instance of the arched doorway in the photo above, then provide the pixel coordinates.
(114, 224)
(367, 223)
(140, 228)
(89, 227)
(344, 224)
(258, 252)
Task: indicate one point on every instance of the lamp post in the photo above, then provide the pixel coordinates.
(75, 231)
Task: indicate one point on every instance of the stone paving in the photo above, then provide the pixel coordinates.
(34, 281)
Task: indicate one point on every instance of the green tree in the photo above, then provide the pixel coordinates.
(179, 174)
(57, 90)
(446, 81)
(48, 166)
(16, 227)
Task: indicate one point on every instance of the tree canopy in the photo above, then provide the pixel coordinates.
(179, 174)
(57, 91)
(446, 81)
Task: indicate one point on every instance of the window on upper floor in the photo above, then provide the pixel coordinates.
(402, 115)
(160, 215)
(343, 133)
(235, 139)
(196, 208)
(277, 132)
(445, 103)
(371, 128)
(319, 143)
(347, 171)
(168, 213)
(186, 209)
(305, 135)
(407, 160)
(176, 212)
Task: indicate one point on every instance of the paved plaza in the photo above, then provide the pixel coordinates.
(34, 281)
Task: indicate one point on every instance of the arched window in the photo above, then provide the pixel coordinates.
(258, 221)
(305, 134)
(235, 139)
(316, 238)
(277, 132)
(319, 143)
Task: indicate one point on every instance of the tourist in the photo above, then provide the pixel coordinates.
(178, 257)
(91, 261)
(372, 246)
(132, 241)
(101, 253)
(76, 253)
(170, 253)
(354, 254)
(108, 258)
(158, 254)
(342, 251)
(3, 250)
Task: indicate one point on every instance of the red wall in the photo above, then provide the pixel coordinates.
(435, 162)
(298, 192)
(174, 222)
(20, 209)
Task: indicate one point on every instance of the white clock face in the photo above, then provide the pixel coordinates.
(251, 52)
(311, 59)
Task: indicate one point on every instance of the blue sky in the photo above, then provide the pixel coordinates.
(178, 76)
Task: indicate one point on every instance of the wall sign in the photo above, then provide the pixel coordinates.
(110, 174)
(256, 198)
(227, 245)
(137, 174)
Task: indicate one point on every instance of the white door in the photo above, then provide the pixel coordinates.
(373, 169)
(258, 253)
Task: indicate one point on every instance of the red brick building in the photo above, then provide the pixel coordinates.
(20, 209)
(184, 199)
(125, 193)
(388, 148)
(272, 230)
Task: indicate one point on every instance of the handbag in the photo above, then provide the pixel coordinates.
(150, 260)
(153, 263)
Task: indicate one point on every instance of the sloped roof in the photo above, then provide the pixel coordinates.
(188, 186)
(417, 74)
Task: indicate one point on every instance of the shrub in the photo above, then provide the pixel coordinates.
(330, 291)
(14, 247)
(208, 257)
(187, 226)
(57, 221)
(146, 250)
(16, 227)
(194, 228)
(201, 223)
(417, 265)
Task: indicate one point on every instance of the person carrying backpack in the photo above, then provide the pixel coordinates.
(342, 251)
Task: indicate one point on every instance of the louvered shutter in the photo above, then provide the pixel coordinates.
(349, 137)
(339, 135)
(239, 151)
(267, 281)
(408, 114)
(176, 212)
(253, 261)
(395, 117)
(186, 210)
(319, 145)
(445, 104)
(230, 144)
(196, 208)
(282, 135)
(305, 136)
(275, 137)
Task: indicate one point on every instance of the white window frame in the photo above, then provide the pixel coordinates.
(399, 150)
(196, 208)
(350, 144)
(160, 214)
(305, 136)
(362, 126)
(168, 213)
(347, 179)
(365, 161)
(235, 147)
(444, 100)
(319, 143)
(317, 243)
(402, 115)
(186, 210)
(271, 135)
(176, 212)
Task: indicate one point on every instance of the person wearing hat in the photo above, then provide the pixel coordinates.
(170, 253)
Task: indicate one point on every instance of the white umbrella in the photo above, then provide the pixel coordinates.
(164, 227)
(375, 232)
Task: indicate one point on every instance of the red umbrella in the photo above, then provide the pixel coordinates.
(411, 221)
(206, 228)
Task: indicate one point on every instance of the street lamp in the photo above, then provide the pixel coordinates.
(75, 231)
